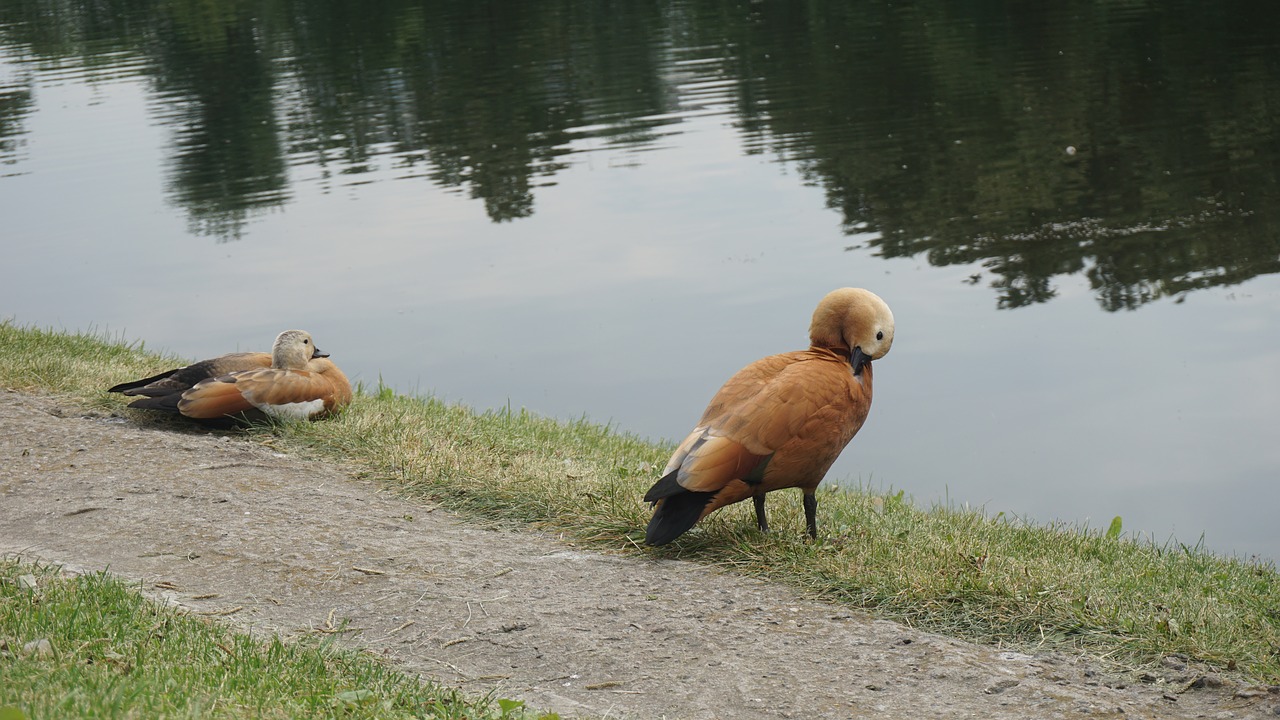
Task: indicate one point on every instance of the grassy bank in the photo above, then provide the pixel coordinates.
(91, 647)
(964, 574)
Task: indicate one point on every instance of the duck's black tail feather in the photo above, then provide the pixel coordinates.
(125, 387)
(666, 487)
(676, 513)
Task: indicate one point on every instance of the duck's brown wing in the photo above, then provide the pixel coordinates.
(181, 379)
(760, 410)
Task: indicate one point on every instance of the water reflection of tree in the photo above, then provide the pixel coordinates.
(1135, 143)
(475, 95)
(945, 129)
(215, 89)
(15, 105)
(41, 37)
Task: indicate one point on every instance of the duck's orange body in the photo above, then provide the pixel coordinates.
(314, 391)
(778, 423)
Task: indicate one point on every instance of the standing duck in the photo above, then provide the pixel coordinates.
(778, 423)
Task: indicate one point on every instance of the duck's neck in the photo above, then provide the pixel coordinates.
(841, 351)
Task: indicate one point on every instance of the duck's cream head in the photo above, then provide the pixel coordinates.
(293, 349)
(856, 321)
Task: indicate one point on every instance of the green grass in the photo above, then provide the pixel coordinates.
(89, 646)
(991, 579)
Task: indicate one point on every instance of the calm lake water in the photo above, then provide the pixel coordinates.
(605, 209)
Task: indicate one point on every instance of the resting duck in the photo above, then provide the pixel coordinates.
(778, 423)
(296, 381)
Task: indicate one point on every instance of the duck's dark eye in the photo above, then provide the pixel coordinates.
(880, 335)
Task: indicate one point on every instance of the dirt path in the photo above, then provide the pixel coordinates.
(294, 546)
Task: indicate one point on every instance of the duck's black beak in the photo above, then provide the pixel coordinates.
(318, 353)
(859, 360)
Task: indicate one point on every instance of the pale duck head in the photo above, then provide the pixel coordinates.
(293, 349)
(855, 320)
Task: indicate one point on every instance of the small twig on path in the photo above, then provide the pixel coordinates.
(229, 611)
(481, 603)
(452, 667)
(404, 625)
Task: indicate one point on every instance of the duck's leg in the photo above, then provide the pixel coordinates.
(761, 521)
(811, 514)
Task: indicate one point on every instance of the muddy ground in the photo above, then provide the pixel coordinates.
(240, 532)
